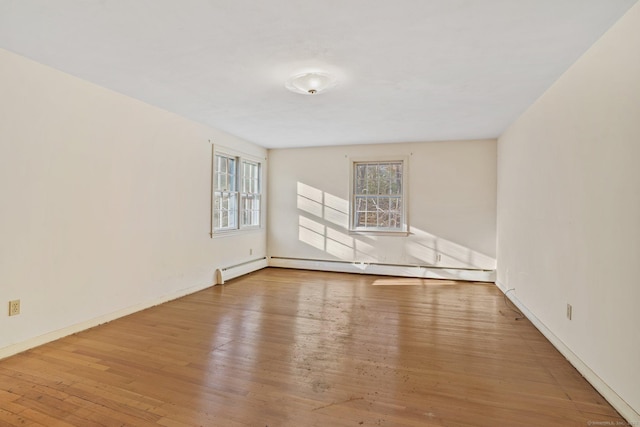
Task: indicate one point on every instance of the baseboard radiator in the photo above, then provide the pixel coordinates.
(237, 270)
(382, 269)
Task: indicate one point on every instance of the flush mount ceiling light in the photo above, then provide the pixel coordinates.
(310, 83)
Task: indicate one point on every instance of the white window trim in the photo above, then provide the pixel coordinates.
(240, 157)
(404, 231)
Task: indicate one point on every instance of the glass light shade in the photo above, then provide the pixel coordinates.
(310, 83)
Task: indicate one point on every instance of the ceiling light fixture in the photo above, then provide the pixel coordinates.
(310, 83)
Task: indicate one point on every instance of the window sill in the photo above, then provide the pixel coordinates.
(401, 233)
(235, 232)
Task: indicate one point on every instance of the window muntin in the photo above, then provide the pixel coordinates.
(377, 202)
(234, 209)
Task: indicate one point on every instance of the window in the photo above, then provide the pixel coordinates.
(377, 196)
(233, 209)
(250, 197)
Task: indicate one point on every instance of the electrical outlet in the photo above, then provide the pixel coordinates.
(251, 251)
(439, 258)
(14, 307)
(569, 311)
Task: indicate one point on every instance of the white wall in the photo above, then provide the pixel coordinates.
(105, 203)
(452, 205)
(569, 208)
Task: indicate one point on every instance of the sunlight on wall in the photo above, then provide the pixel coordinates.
(336, 210)
(310, 200)
(311, 232)
(321, 232)
(340, 244)
(426, 247)
(324, 224)
(334, 242)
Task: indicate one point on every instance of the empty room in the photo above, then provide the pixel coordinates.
(339, 213)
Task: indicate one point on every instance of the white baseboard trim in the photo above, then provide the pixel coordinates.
(385, 269)
(627, 412)
(228, 273)
(82, 326)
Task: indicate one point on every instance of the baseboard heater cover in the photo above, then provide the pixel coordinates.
(381, 269)
(237, 270)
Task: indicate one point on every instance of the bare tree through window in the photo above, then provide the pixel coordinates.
(378, 195)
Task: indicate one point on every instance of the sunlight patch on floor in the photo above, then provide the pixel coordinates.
(413, 282)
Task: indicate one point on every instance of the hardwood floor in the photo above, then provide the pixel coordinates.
(296, 348)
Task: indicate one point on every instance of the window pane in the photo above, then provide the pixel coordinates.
(383, 171)
(250, 177)
(221, 164)
(369, 205)
(383, 203)
(383, 219)
(372, 185)
(224, 218)
(395, 187)
(361, 219)
(395, 220)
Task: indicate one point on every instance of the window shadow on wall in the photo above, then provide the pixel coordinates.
(323, 223)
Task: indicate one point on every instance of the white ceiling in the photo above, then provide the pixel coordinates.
(408, 70)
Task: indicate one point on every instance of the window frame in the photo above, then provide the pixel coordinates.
(403, 230)
(237, 190)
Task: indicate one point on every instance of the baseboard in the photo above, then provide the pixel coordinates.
(228, 273)
(82, 326)
(627, 412)
(385, 269)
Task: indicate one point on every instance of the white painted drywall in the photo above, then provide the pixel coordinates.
(569, 208)
(452, 205)
(104, 202)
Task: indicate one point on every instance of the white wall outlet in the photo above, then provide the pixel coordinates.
(14, 307)
(439, 258)
(251, 251)
(569, 311)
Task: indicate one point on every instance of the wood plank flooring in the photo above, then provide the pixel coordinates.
(297, 348)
